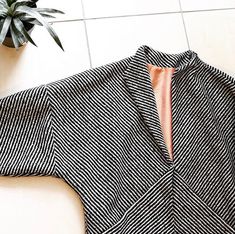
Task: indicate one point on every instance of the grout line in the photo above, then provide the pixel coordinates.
(143, 14)
(88, 45)
(204, 10)
(185, 31)
(86, 33)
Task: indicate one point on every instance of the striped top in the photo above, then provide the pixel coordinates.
(101, 131)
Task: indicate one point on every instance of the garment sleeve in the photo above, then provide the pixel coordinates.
(26, 134)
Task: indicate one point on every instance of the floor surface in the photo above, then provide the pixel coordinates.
(94, 33)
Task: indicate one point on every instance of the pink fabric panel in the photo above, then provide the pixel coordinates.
(161, 83)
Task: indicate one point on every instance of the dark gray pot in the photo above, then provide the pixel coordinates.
(8, 39)
(29, 28)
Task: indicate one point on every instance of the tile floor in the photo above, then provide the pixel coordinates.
(94, 33)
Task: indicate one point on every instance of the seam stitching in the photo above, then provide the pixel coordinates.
(53, 133)
(203, 202)
(215, 119)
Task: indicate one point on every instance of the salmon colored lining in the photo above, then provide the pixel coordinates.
(161, 83)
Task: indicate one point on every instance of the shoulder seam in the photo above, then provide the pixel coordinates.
(53, 133)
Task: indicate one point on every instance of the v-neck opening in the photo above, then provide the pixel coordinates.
(138, 81)
(161, 79)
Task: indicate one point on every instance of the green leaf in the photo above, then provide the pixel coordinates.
(40, 18)
(9, 2)
(31, 3)
(3, 10)
(5, 27)
(18, 33)
(3, 6)
(25, 1)
(3, 14)
(47, 16)
(1, 24)
(20, 3)
(48, 10)
(14, 37)
(30, 20)
(20, 37)
(3, 3)
(20, 27)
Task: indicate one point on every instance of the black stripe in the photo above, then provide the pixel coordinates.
(99, 131)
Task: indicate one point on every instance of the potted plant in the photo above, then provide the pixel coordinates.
(19, 17)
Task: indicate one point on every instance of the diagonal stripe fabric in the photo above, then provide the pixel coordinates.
(104, 130)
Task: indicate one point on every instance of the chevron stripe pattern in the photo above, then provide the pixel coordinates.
(99, 131)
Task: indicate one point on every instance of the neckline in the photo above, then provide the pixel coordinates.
(138, 81)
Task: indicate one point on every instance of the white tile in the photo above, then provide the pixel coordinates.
(212, 35)
(32, 66)
(39, 205)
(115, 38)
(126, 7)
(71, 8)
(206, 4)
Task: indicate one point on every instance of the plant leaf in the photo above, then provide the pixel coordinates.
(34, 1)
(47, 16)
(30, 20)
(3, 14)
(20, 3)
(9, 2)
(48, 10)
(5, 27)
(25, 1)
(20, 37)
(40, 18)
(18, 33)
(1, 24)
(14, 37)
(20, 27)
(3, 2)
(3, 5)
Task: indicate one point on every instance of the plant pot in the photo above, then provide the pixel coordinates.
(29, 28)
(8, 39)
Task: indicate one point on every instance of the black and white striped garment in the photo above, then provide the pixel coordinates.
(99, 131)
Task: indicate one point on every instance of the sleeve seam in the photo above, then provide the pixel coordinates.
(53, 133)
